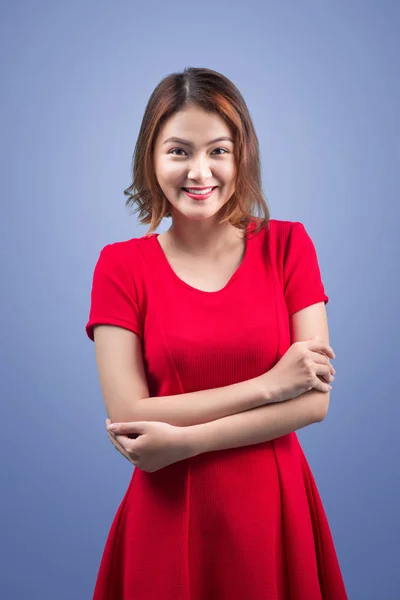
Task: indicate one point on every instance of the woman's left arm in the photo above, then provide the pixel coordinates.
(258, 425)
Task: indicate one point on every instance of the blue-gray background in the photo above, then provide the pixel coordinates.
(321, 80)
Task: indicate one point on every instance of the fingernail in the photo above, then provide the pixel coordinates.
(111, 427)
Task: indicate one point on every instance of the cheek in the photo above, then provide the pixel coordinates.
(169, 172)
(226, 168)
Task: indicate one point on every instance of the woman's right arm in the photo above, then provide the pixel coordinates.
(125, 392)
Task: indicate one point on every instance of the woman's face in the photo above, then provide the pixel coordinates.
(194, 161)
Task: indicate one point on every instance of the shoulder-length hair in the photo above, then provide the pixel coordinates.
(214, 93)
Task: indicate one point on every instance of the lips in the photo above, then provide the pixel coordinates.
(199, 189)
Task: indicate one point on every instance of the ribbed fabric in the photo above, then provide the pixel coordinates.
(238, 524)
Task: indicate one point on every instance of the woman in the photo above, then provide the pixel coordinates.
(212, 349)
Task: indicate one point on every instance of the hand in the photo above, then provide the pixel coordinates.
(150, 445)
(117, 444)
(304, 366)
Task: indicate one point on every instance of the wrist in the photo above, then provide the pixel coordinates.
(195, 439)
(268, 389)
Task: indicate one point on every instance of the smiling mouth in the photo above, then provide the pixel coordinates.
(200, 189)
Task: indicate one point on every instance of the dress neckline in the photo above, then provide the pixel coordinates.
(234, 277)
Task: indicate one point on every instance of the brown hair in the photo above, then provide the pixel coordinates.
(215, 93)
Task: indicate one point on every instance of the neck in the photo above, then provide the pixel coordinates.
(200, 239)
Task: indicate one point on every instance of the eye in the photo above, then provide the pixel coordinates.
(174, 150)
(181, 149)
(225, 151)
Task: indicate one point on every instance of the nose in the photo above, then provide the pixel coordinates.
(199, 170)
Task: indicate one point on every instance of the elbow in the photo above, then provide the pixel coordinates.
(323, 406)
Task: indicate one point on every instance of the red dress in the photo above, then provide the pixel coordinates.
(238, 524)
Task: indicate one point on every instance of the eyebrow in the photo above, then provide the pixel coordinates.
(185, 142)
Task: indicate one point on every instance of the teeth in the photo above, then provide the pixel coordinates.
(191, 191)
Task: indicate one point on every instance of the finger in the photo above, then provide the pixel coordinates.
(323, 360)
(324, 372)
(118, 445)
(125, 428)
(319, 344)
(321, 385)
(114, 441)
(117, 440)
(120, 448)
(328, 349)
(129, 446)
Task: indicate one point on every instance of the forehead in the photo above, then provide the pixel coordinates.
(194, 124)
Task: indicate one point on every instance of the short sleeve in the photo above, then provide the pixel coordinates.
(113, 295)
(303, 285)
